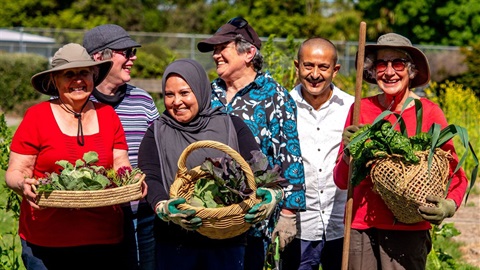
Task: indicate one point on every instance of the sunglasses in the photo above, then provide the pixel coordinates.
(128, 53)
(397, 64)
(238, 22)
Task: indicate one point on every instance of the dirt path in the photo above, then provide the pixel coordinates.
(467, 221)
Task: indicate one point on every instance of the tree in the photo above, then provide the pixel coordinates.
(450, 22)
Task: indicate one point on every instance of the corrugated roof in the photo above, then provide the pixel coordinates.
(15, 36)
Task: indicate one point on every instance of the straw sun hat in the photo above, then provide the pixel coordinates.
(69, 56)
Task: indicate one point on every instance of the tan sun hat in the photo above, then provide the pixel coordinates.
(396, 41)
(69, 56)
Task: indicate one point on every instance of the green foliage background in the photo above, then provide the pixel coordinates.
(15, 72)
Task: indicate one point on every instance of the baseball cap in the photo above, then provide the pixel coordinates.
(228, 32)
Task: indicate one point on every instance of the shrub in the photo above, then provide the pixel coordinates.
(152, 60)
(461, 107)
(16, 69)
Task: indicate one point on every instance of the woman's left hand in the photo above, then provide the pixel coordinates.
(28, 190)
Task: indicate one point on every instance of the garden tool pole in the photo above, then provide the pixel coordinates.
(356, 116)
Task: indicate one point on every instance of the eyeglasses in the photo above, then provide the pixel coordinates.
(238, 22)
(397, 64)
(128, 53)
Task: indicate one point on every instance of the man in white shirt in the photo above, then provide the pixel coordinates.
(322, 110)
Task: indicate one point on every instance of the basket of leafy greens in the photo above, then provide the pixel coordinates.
(222, 190)
(86, 185)
(405, 170)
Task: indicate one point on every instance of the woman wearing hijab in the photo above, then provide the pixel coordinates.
(378, 240)
(189, 118)
(64, 128)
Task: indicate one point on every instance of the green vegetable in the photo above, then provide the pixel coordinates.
(380, 139)
(226, 181)
(85, 175)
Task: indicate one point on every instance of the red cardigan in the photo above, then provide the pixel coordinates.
(369, 210)
(39, 135)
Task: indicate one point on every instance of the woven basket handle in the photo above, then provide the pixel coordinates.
(182, 168)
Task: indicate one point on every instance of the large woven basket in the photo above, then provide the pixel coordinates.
(404, 187)
(93, 198)
(217, 223)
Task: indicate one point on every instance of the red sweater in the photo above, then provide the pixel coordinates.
(369, 210)
(39, 135)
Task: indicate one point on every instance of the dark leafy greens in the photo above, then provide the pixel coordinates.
(380, 139)
(226, 181)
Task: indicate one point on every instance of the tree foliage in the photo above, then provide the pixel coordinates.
(471, 77)
(450, 22)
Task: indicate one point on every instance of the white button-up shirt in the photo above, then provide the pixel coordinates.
(320, 134)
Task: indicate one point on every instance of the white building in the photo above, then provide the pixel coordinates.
(17, 41)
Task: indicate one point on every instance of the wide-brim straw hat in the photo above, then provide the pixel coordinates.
(69, 56)
(396, 41)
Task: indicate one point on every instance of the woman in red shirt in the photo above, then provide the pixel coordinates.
(378, 240)
(64, 128)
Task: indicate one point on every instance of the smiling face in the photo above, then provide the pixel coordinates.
(316, 68)
(392, 82)
(180, 101)
(74, 85)
(230, 63)
(121, 68)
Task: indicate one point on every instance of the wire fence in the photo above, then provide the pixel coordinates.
(444, 60)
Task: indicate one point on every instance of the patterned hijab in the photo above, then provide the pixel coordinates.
(173, 137)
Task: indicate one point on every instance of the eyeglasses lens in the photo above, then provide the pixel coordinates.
(129, 53)
(238, 22)
(397, 64)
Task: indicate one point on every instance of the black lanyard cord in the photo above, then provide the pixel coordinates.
(80, 137)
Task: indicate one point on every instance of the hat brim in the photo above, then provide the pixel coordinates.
(121, 44)
(418, 57)
(40, 81)
(207, 45)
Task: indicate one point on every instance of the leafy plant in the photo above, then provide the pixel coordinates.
(438, 257)
(5, 141)
(85, 175)
(380, 139)
(226, 181)
(124, 176)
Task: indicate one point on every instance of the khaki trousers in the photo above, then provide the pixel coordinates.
(388, 249)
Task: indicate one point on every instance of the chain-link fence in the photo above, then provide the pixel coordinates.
(444, 60)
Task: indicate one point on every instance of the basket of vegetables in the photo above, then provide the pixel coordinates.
(85, 185)
(405, 170)
(221, 190)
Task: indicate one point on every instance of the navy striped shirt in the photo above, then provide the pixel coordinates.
(136, 111)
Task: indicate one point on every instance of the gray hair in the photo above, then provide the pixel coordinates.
(106, 54)
(243, 46)
(369, 68)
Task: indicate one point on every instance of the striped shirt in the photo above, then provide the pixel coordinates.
(136, 111)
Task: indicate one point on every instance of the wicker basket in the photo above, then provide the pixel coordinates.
(217, 223)
(404, 187)
(93, 198)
